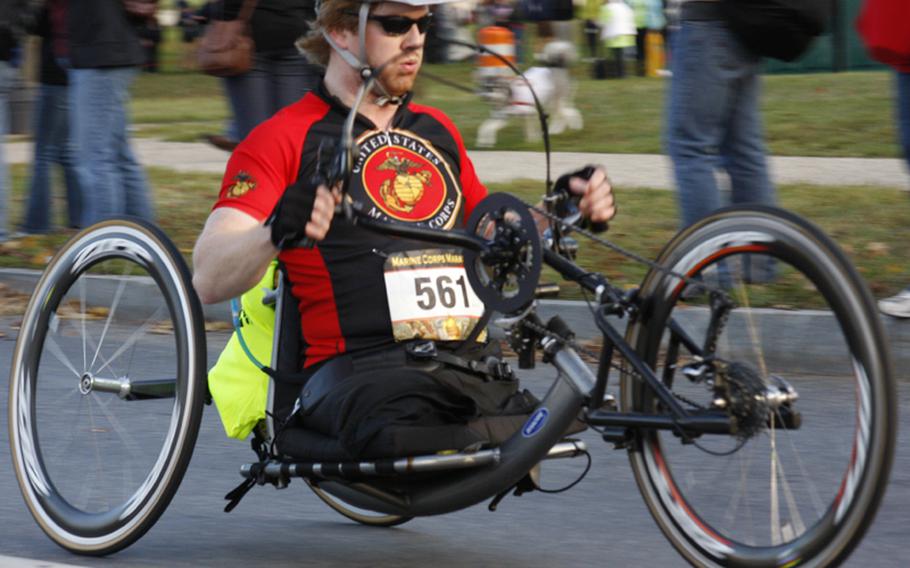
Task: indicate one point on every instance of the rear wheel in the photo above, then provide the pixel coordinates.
(107, 386)
(362, 516)
(800, 363)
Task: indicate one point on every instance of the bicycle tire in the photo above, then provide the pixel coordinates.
(362, 516)
(99, 483)
(712, 506)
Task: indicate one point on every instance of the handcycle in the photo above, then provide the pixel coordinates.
(720, 395)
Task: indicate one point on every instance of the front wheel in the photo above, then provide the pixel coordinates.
(107, 386)
(799, 364)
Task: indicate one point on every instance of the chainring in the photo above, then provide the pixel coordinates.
(505, 276)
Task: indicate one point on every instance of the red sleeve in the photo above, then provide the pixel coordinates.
(268, 160)
(471, 188)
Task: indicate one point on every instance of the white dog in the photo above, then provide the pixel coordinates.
(511, 97)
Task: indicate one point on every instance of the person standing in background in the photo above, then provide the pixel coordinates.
(618, 32)
(280, 74)
(53, 140)
(885, 28)
(13, 16)
(640, 9)
(713, 115)
(590, 15)
(105, 56)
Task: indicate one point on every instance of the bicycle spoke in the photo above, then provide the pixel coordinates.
(796, 519)
(82, 313)
(57, 352)
(134, 337)
(752, 328)
(110, 315)
(123, 433)
(804, 473)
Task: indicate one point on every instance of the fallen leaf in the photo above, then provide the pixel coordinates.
(218, 326)
(164, 327)
(878, 248)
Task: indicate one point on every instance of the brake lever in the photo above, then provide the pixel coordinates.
(566, 206)
(331, 168)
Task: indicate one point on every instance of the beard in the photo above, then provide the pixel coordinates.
(397, 85)
(397, 81)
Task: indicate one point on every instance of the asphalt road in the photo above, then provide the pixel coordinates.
(603, 521)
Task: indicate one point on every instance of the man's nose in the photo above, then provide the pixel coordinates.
(413, 39)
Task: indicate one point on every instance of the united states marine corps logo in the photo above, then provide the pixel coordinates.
(404, 191)
(243, 184)
(406, 179)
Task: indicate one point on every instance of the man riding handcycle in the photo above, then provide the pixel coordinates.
(395, 402)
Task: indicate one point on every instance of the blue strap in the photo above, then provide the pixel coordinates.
(235, 317)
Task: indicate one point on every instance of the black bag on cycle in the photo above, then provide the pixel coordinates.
(781, 29)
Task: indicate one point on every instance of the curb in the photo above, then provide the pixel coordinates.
(786, 331)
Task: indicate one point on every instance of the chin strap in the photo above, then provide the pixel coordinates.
(358, 63)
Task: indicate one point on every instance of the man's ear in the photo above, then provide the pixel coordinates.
(344, 39)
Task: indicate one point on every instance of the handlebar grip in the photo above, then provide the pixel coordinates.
(598, 227)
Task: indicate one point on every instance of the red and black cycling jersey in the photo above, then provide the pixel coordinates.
(417, 171)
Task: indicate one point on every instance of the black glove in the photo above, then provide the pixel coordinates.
(568, 205)
(289, 217)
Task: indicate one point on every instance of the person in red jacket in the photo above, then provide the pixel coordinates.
(885, 28)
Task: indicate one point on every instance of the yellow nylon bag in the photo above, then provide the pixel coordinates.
(239, 388)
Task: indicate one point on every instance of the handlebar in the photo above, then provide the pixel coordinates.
(591, 281)
(456, 238)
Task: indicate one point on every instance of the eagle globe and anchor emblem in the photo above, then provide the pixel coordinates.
(403, 191)
(407, 179)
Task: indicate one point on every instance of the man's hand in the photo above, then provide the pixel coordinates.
(304, 211)
(596, 194)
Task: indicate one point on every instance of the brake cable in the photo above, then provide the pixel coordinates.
(344, 162)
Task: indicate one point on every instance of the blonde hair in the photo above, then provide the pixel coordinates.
(332, 15)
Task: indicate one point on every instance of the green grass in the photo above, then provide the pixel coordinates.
(869, 223)
(824, 114)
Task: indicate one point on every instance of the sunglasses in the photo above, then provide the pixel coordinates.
(400, 25)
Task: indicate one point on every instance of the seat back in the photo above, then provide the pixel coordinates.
(285, 354)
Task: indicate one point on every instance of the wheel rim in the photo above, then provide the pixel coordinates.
(785, 494)
(92, 485)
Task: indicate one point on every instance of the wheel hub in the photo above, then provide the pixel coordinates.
(85, 383)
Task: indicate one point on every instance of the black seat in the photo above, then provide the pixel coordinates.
(297, 443)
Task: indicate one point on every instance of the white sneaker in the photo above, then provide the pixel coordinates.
(897, 306)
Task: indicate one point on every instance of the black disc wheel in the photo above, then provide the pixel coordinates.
(362, 516)
(505, 277)
(107, 386)
(774, 329)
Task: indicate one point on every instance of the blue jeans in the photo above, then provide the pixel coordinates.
(273, 83)
(713, 120)
(7, 78)
(903, 112)
(53, 145)
(112, 181)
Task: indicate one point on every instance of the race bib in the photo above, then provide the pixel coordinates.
(430, 296)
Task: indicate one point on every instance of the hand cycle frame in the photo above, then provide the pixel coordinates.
(746, 405)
